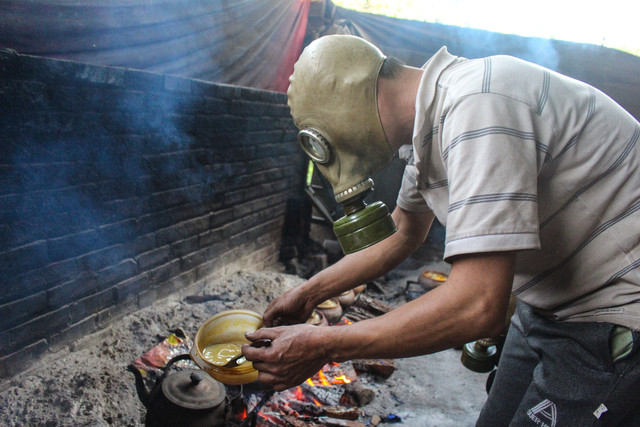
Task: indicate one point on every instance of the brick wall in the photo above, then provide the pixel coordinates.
(121, 187)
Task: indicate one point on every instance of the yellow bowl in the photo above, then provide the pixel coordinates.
(227, 327)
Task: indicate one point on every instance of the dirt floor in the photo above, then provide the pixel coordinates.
(90, 385)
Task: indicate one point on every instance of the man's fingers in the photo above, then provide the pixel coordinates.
(262, 333)
(263, 367)
(275, 382)
(261, 338)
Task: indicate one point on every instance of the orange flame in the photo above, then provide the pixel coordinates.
(344, 321)
(323, 379)
(341, 379)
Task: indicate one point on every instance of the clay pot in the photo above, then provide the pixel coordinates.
(317, 319)
(331, 309)
(432, 279)
(226, 327)
(359, 289)
(346, 299)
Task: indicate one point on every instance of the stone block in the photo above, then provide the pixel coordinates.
(164, 272)
(233, 228)
(143, 81)
(73, 333)
(174, 285)
(116, 312)
(225, 91)
(141, 244)
(119, 232)
(65, 293)
(153, 258)
(116, 273)
(149, 297)
(186, 246)
(183, 230)
(125, 208)
(11, 340)
(207, 254)
(87, 306)
(99, 259)
(221, 217)
(20, 311)
(169, 217)
(73, 245)
(22, 96)
(130, 289)
(191, 261)
(234, 197)
(210, 237)
(28, 257)
(22, 359)
(242, 210)
(209, 268)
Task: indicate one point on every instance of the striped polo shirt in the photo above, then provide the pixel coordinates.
(512, 156)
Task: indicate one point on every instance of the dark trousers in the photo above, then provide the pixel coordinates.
(562, 374)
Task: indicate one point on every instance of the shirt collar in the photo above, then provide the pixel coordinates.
(427, 92)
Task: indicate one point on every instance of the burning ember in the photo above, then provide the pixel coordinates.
(327, 398)
(331, 397)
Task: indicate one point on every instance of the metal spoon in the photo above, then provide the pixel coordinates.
(240, 359)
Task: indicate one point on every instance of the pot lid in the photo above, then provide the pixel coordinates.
(193, 389)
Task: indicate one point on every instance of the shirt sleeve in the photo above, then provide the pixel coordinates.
(409, 198)
(491, 156)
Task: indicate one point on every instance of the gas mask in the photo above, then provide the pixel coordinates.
(333, 101)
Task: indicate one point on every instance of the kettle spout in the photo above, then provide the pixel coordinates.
(143, 393)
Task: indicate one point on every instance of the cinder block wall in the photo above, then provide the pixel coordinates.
(121, 187)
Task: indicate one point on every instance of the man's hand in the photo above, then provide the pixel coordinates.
(295, 354)
(470, 305)
(296, 305)
(292, 307)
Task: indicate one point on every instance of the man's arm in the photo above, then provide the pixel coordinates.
(472, 304)
(355, 269)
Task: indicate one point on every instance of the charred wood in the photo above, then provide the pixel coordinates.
(340, 423)
(342, 413)
(380, 367)
(328, 394)
(361, 394)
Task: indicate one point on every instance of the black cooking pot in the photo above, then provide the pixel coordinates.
(189, 398)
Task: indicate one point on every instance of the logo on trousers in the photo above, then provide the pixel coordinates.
(544, 414)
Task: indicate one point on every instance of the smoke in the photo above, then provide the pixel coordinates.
(471, 44)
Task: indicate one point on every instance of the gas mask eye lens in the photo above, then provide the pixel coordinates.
(315, 145)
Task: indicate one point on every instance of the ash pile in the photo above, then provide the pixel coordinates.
(88, 384)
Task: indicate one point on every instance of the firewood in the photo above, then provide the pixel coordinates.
(356, 314)
(327, 394)
(305, 407)
(295, 422)
(340, 423)
(360, 393)
(373, 305)
(348, 401)
(381, 367)
(341, 412)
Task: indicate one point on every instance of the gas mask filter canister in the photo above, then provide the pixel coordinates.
(333, 101)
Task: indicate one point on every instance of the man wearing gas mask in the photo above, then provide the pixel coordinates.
(536, 178)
